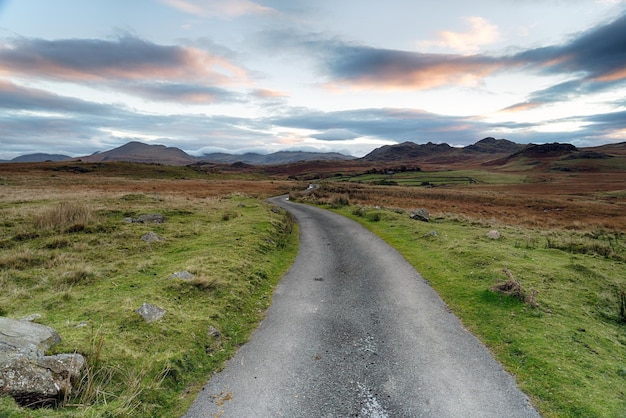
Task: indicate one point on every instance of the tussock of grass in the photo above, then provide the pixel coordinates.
(80, 275)
(20, 259)
(64, 217)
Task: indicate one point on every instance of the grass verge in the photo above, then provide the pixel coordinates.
(86, 271)
(560, 330)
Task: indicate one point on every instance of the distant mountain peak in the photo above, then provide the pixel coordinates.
(491, 145)
(138, 152)
(406, 150)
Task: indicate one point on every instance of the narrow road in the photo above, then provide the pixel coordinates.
(354, 331)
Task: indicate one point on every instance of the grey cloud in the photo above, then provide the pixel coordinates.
(391, 124)
(16, 97)
(182, 93)
(597, 58)
(599, 52)
(93, 58)
(335, 135)
(23, 134)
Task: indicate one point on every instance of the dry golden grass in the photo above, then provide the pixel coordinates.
(585, 202)
(38, 182)
(579, 201)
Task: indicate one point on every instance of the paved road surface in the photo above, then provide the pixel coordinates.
(354, 331)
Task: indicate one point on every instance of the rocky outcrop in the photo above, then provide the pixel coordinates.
(26, 373)
(420, 214)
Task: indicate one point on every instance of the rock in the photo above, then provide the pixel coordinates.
(152, 237)
(150, 313)
(214, 332)
(26, 374)
(433, 234)
(31, 317)
(28, 338)
(37, 382)
(420, 214)
(154, 218)
(63, 364)
(183, 275)
(493, 234)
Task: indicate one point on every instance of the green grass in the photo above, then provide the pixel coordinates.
(569, 353)
(87, 282)
(438, 178)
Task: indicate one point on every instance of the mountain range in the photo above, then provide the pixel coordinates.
(138, 152)
(489, 151)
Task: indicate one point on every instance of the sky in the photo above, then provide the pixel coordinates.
(349, 76)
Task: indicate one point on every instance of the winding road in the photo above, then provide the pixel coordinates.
(354, 331)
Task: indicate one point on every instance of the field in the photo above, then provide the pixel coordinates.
(547, 297)
(436, 178)
(68, 255)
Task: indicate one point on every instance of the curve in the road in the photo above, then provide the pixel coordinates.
(354, 331)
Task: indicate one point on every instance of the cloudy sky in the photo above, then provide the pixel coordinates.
(268, 75)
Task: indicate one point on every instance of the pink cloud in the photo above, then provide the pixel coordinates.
(128, 58)
(480, 32)
(520, 107)
(398, 75)
(219, 8)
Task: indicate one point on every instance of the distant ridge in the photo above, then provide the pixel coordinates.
(280, 157)
(138, 152)
(554, 149)
(39, 158)
(405, 151)
(488, 151)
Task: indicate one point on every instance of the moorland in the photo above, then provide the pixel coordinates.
(548, 296)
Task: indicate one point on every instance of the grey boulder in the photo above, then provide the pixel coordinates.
(26, 374)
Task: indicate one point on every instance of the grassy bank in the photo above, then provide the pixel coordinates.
(78, 264)
(561, 332)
